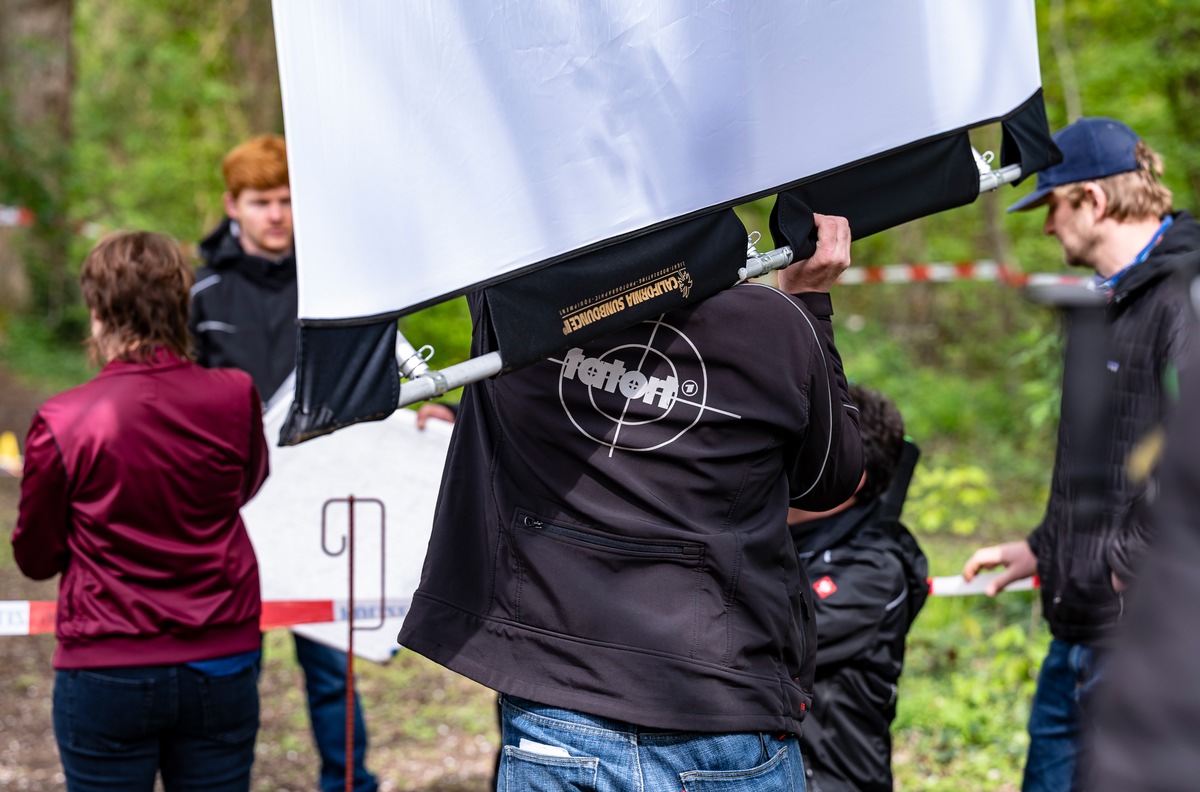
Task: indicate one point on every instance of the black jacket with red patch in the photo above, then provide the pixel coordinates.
(869, 579)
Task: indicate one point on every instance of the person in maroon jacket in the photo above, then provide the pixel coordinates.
(132, 489)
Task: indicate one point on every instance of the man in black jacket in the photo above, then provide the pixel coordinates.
(244, 316)
(610, 547)
(1110, 213)
(1148, 721)
(869, 577)
(244, 300)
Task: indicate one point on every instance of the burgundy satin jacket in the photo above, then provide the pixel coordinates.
(132, 487)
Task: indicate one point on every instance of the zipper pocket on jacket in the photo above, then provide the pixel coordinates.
(682, 551)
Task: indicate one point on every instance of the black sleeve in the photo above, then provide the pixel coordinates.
(829, 465)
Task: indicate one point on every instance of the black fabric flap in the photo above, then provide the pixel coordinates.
(878, 194)
(792, 224)
(1026, 140)
(545, 312)
(344, 375)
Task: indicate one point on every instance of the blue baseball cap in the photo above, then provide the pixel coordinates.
(1092, 148)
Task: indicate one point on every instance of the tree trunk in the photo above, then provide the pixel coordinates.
(36, 72)
(253, 50)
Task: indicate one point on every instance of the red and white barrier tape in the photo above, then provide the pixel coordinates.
(18, 217)
(23, 617)
(945, 272)
(957, 586)
(15, 216)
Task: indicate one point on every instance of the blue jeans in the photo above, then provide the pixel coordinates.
(325, 680)
(1058, 717)
(118, 727)
(547, 749)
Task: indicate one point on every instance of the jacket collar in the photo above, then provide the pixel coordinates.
(222, 250)
(160, 359)
(1183, 237)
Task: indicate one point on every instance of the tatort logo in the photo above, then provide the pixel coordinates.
(638, 395)
(611, 376)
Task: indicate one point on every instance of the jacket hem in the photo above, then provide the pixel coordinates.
(620, 683)
(161, 649)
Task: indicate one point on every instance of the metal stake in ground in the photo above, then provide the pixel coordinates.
(351, 626)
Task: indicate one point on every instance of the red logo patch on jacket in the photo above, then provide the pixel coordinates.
(825, 587)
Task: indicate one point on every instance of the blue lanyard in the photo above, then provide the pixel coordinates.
(1111, 283)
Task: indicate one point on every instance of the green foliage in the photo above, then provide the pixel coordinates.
(157, 105)
(975, 397)
(969, 675)
(36, 353)
(32, 165)
(949, 499)
(1041, 357)
(446, 327)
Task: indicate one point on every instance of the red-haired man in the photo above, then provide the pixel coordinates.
(244, 316)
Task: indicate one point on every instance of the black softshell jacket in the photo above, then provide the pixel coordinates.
(1146, 726)
(234, 291)
(1149, 329)
(611, 532)
(870, 579)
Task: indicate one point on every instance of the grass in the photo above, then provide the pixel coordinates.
(970, 668)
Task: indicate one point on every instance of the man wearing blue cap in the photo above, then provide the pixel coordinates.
(1110, 213)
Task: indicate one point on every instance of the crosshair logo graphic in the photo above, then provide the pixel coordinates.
(641, 394)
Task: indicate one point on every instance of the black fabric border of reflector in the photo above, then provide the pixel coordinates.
(1026, 140)
(883, 192)
(603, 291)
(317, 410)
(344, 375)
(877, 194)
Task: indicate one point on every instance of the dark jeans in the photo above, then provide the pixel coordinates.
(118, 727)
(325, 679)
(1059, 716)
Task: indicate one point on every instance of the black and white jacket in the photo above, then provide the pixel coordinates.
(244, 311)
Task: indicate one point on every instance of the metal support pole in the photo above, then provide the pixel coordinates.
(348, 546)
(350, 662)
(435, 383)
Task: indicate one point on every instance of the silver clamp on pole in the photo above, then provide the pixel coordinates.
(441, 384)
(413, 363)
(766, 262)
(435, 383)
(990, 179)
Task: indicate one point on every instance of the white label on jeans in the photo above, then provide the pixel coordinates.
(543, 750)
